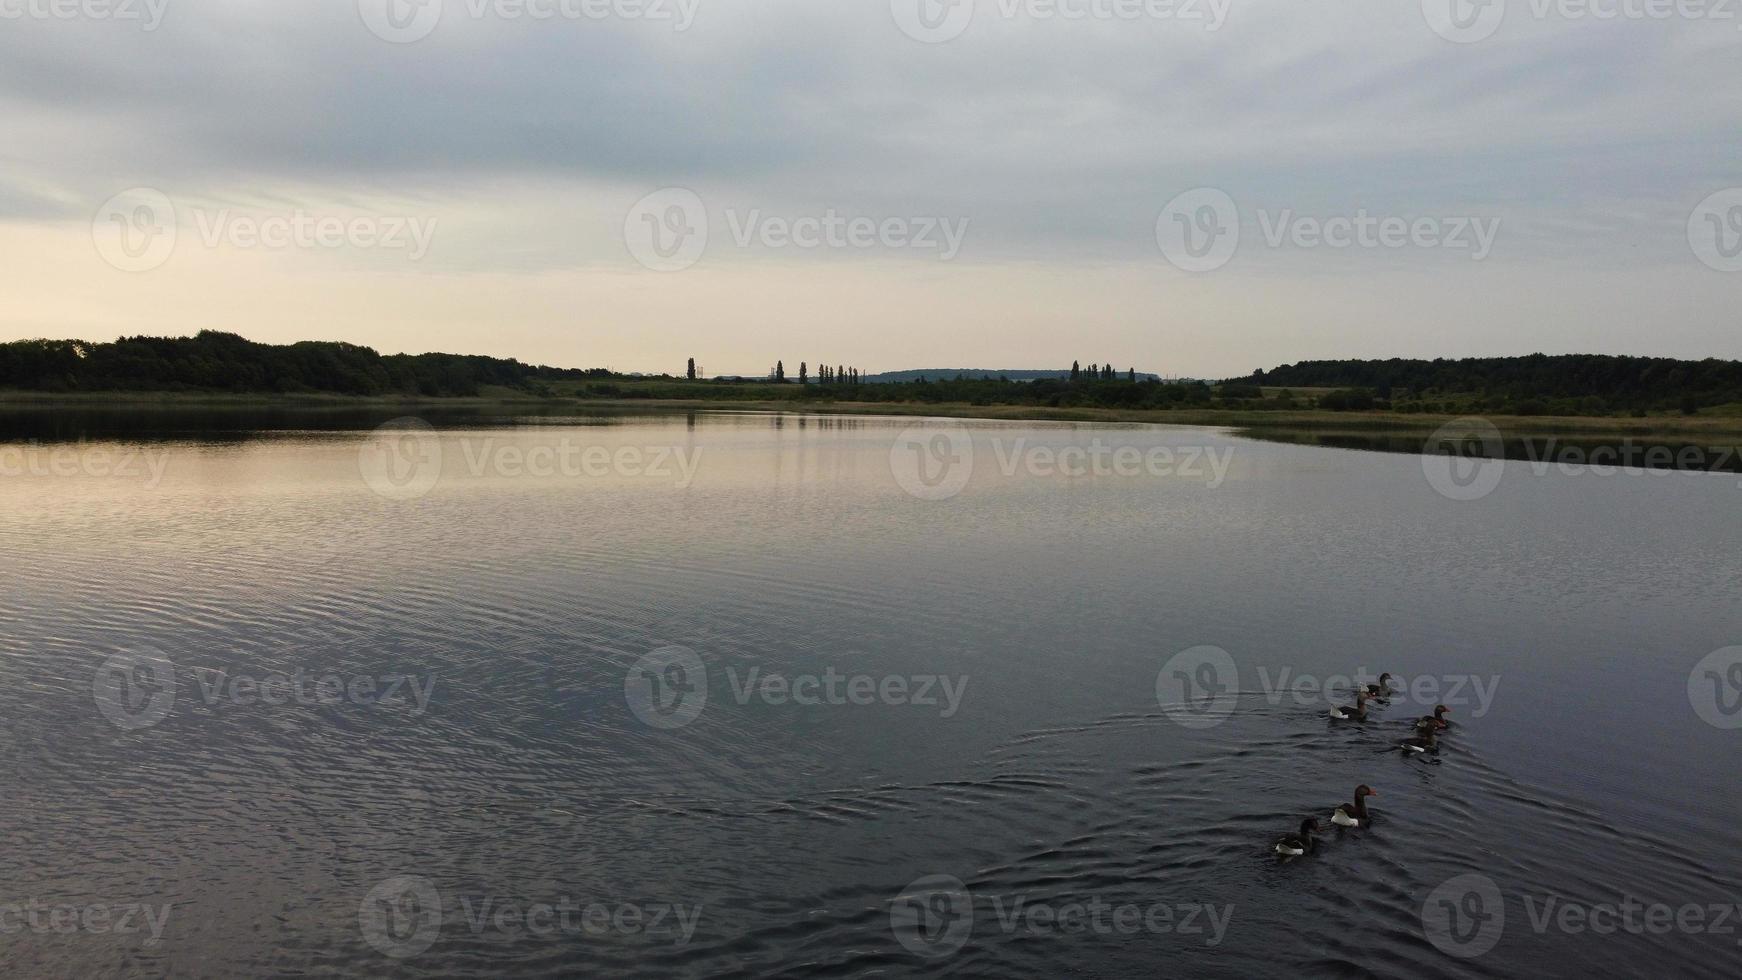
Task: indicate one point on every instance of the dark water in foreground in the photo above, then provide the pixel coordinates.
(972, 681)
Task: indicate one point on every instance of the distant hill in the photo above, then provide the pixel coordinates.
(225, 362)
(978, 374)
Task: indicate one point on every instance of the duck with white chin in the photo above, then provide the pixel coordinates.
(1355, 814)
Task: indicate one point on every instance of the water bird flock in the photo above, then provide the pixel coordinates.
(1354, 814)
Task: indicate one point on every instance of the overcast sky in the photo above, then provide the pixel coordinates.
(889, 183)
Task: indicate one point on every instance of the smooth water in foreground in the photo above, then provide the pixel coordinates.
(325, 703)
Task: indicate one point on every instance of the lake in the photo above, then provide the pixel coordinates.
(720, 694)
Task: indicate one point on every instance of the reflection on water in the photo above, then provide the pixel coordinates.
(344, 731)
(1669, 452)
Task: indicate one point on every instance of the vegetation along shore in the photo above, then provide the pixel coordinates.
(1592, 395)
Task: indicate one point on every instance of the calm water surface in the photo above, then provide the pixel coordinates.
(149, 617)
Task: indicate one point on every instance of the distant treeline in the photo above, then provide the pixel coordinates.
(223, 362)
(896, 377)
(1539, 384)
(1117, 392)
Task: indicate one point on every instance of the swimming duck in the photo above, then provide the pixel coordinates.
(1381, 689)
(1427, 741)
(1355, 814)
(1355, 712)
(1435, 721)
(1294, 845)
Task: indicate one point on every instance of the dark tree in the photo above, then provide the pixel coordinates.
(692, 369)
(803, 376)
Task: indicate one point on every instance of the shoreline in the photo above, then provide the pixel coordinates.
(1236, 419)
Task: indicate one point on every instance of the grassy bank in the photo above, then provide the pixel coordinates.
(1304, 420)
